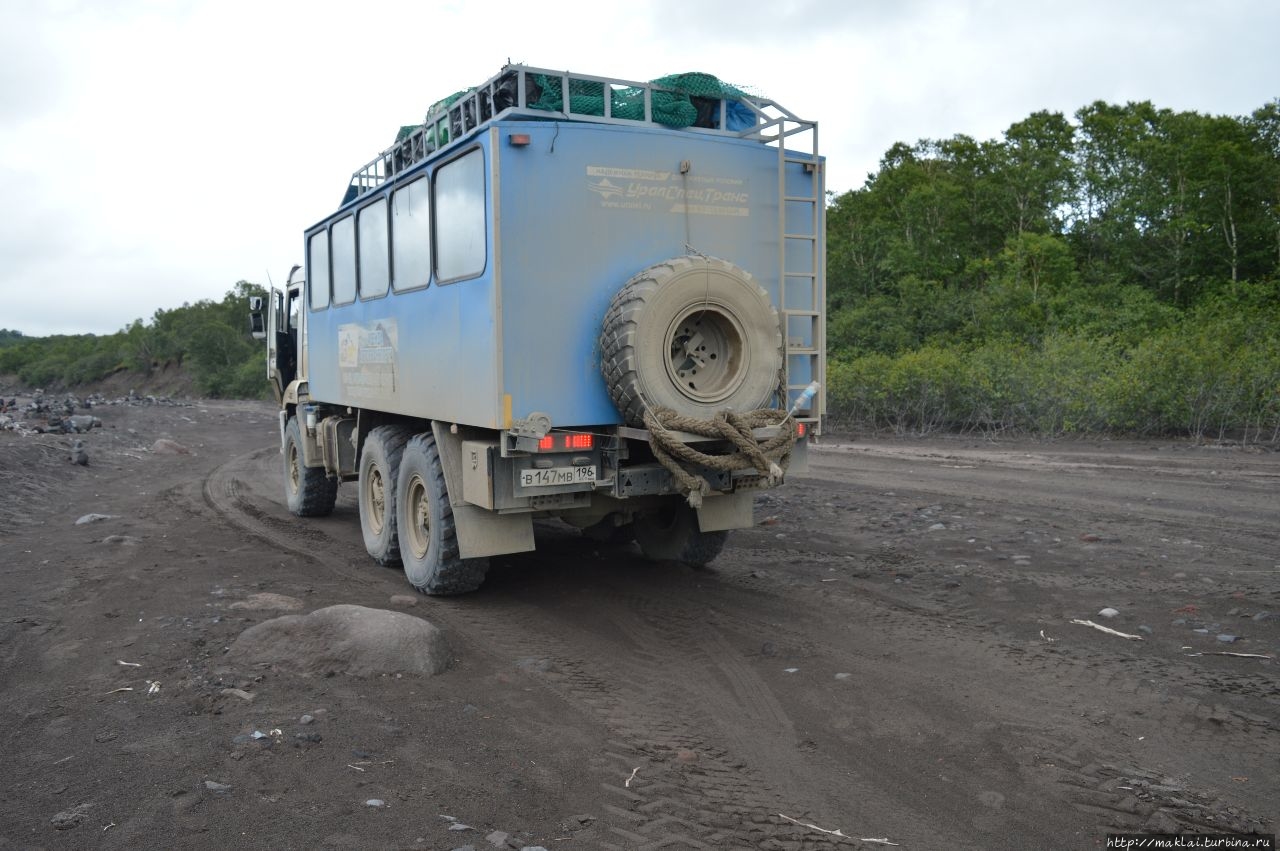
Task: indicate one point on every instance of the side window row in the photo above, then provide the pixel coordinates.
(388, 244)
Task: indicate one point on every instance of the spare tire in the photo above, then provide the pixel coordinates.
(693, 334)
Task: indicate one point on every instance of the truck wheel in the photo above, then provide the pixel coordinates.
(308, 491)
(694, 334)
(428, 539)
(379, 466)
(671, 533)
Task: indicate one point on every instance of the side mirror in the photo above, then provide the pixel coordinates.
(255, 304)
(257, 328)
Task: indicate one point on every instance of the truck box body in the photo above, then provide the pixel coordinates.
(570, 216)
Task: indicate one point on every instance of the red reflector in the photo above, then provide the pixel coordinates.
(519, 139)
(578, 441)
(800, 429)
(547, 442)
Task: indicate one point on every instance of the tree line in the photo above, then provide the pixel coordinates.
(1119, 271)
(209, 339)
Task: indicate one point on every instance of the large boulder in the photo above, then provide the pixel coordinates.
(354, 640)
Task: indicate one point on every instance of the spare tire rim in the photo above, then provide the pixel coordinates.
(295, 474)
(706, 353)
(375, 496)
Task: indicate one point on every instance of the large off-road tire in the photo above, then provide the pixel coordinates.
(308, 491)
(694, 334)
(428, 538)
(379, 467)
(671, 533)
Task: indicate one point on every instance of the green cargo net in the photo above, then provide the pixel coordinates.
(691, 95)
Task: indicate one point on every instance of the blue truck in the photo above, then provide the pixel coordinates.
(560, 296)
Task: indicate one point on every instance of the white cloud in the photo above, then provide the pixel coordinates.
(156, 152)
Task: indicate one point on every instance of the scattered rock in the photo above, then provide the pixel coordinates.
(1090, 538)
(79, 456)
(1146, 630)
(1109, 612)
(1201, 630)
(313, 738)
(122, 540)
(376, 803)
(68, 819)
(214, 786)
(843, 676)
(354, 640)
(686, 756)
(95, 518)
(937, 527)
(307, 719)
(238, 692)
(498, 839)
(407, 600)
(457, 826)
(1261, 616)
(165, 446)
(584, 818)
(267, 601)
(1227, 638)
(768, 649)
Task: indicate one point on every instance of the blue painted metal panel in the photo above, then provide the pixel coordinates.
(584, 207)
(572, 216)
(429, 353)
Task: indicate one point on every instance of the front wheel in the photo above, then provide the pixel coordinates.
(308, 491)
(428, 538)
(671, 533)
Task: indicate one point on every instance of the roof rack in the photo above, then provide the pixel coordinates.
(516, 91)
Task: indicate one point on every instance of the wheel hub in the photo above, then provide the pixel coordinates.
(706, 354)
(419, 515)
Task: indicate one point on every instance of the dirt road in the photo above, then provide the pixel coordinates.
(888, 655)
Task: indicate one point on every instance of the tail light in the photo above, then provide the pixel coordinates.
(561, 441)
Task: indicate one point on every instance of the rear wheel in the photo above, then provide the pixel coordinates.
(671, 533)
(428, 538)
(308, 491)
(379, 466)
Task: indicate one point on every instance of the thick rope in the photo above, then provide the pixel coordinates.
(769, 458)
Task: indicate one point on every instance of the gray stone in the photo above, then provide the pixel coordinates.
(457, 826)
(1201, 630)
(937, 527)
(1261, 616)
(164, 446)
(68, 819)
(79, 456)
(1109, 612)
(238, 692)
(533, 848)
(307, 719)
(1146, 629)
(215, 786)
(353, 640)
(375, 802)
(95, 518)
(406, 600)
(1227, 638)
(843, 676)
(498, 839)
(1179, 622)
(122, 540)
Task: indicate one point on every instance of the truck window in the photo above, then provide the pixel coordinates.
(343, 252)
(318, 270)
(411, 236)
(460, 225)
(375, 264)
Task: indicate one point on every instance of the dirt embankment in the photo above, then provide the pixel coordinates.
(891, 653)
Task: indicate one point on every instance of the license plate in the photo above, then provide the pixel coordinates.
(551, 476)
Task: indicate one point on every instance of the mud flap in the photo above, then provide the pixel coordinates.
(480, 532)
(728, 511)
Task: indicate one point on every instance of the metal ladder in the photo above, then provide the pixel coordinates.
(802, 272)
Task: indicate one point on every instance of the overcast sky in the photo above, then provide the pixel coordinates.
(154, 152)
